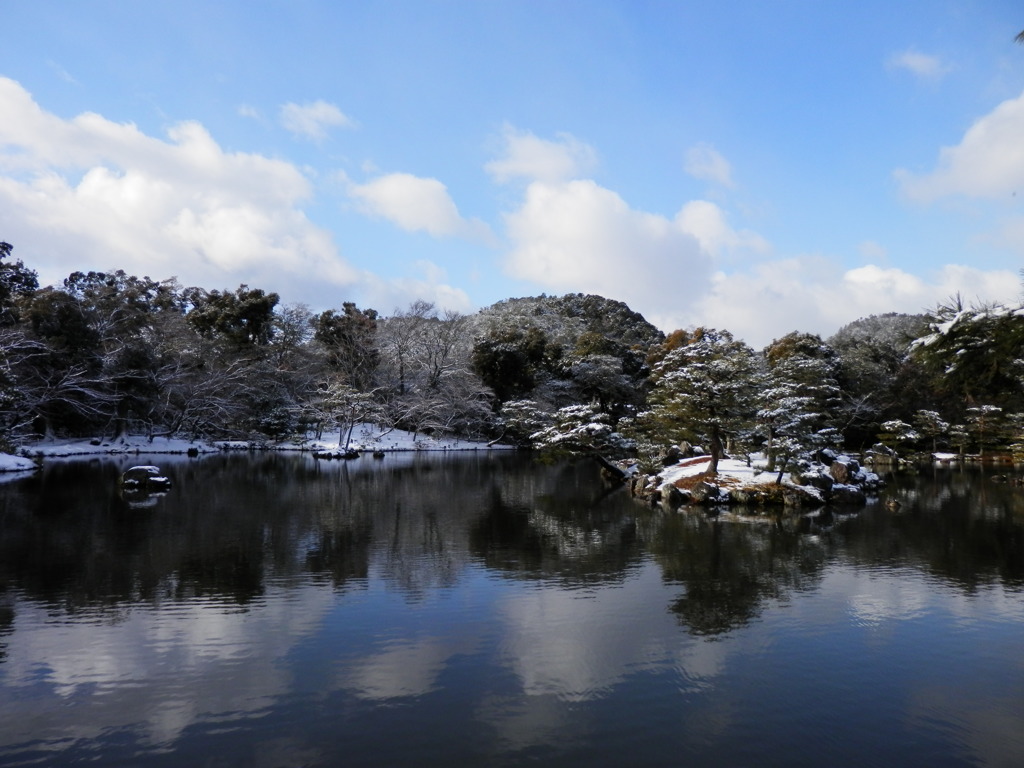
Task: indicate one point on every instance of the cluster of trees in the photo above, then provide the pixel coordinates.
(950, 379)
(110, 353)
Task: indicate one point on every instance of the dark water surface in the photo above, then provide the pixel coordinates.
(481, 609)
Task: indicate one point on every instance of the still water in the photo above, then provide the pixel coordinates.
(481, 609)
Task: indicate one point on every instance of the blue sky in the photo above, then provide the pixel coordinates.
(756, 166)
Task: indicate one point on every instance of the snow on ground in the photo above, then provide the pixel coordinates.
(727, 468)
(135, 444)
(365, 437)
(369, 437)
(9, 463)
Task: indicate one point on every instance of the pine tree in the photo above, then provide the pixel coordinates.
(703, 391)
(799, 400)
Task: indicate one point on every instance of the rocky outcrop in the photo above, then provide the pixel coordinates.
(836, 480)
(351, 453)
(144, 478)
(880, 455)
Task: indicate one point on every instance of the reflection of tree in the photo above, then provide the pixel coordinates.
(958, 524)
(67, 538)
(232, 524)
(341, 554)
(555, 531)
(6, 624)
(730, 569)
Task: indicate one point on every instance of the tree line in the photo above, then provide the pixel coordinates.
(107, 353)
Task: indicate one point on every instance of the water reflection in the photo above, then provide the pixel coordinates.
(279, 610)
(960, 525)
(730, 569)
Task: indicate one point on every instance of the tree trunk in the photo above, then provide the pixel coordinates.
(770, 450)
(616, 472)
(716, 451)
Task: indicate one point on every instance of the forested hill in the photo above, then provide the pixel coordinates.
(106, 353)
(573, 315)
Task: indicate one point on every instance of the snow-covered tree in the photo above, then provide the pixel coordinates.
(931, 426)
(519, 420)
(584, 429)
(975, 353)
(896, 433)
(703, 391)
(336, 404)
(985, 423)
(798, 402)
(426, 373)
(877, 376)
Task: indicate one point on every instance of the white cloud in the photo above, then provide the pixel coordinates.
(88, 193)
(815, 295)
(62, 73)
(707, 222)
(873, 252)
(987, 163)
(919, 64)
(696, 268)
(313, 120)
(247, 110)
(416, 204)
(704, 162)
(430, 285)
(529, 157)
(579, 236)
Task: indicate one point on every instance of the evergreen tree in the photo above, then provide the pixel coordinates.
(349, 339)
(975, 355)
(799, 400)
(703, 390)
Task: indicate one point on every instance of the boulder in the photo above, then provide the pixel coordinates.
(637, 484)
(672, 456)
(708, 493)
(672, 498)
(818, 480)
(844, 469)
(847, 495)
(145, 478)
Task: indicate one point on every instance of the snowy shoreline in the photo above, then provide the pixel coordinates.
(365, 438)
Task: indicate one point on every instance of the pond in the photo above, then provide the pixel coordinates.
(484, 609)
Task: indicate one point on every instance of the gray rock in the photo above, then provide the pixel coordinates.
(672, 498)
(848, 495)
(145, 478)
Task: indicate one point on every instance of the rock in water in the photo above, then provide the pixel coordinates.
(145, 478)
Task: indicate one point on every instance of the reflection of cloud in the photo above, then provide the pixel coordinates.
(576, 646)
(523, 724)
(888, 600)
(571, 647)
(401, 669)
(170, 668)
